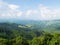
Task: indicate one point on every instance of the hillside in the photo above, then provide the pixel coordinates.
(30, 33)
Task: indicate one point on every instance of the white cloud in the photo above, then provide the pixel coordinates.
(41, 12)
(19, 13)
(47, 13)
(31, 12)
(28, 12)
(9, 10)
(13, 7)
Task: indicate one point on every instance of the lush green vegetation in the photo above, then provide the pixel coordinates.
(35, 33)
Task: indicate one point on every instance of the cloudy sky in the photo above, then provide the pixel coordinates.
(30, 9)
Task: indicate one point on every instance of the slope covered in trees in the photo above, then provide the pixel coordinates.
(38, 33)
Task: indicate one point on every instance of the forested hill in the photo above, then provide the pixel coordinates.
(10, 31)
(30, 33)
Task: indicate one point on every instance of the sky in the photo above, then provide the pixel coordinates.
(30, 9)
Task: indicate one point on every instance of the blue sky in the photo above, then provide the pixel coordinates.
(26, 4)
(30, 9)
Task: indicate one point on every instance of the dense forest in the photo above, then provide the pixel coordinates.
(30, 33)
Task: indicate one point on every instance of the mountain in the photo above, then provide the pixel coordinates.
(26, 32)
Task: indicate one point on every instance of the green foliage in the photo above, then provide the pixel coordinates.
(3, 41)
(18, 34)
(47, 39)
